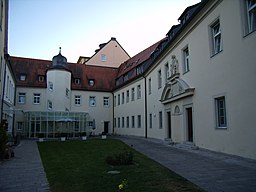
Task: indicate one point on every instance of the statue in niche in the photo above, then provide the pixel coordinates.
(174, 66)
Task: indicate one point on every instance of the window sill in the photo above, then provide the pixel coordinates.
(213, 55)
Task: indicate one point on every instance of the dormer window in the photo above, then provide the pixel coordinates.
(41, 78)
(77, 81)
(23, 77)
(91, 82)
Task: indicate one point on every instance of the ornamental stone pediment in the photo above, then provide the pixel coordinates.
(176, 89)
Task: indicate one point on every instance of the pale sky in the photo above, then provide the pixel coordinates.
(37, 28)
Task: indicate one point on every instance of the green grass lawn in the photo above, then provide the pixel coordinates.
(80, 166)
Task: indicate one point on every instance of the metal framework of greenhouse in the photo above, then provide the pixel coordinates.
(53, 123)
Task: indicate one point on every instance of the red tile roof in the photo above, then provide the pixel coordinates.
(137, 59)
(104, 77)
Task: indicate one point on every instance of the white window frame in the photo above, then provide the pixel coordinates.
(185, 60)
(49, 105)
(251, 15)
(127, 122)
(160, 119)
(92, 101)
(22, 98)
(36, 99)
(138, 91)
(159, 74)
(106, 101)
(103, 57)
(77, 81)
(216, 37)
(149, 86)
(50, 85)
(122, 97)
(127, 96)
(221, 112)
(77, 100)
(139, 121)
(133, 121)
(133, 94)
(23, 77)
(166, 68)
(122, 122)
(150, 121)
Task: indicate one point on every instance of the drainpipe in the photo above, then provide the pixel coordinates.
(146, 108)
(113, 113)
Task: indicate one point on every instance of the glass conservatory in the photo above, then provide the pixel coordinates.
(53, 123)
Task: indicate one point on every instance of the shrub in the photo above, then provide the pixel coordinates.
(3, 141)
(123, 158)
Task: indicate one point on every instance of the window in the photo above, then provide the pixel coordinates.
(122, 122)
(220, 106)
(127, 122)
(150, 120)
(77, 81)
(77, 99)
(139, 121)
(23, 77)
(91, 82)
(138, 92)
(106, 101)
(127, 96)
(36, 98)
(67, 92)
(149, 86)
(103, 57)
(160, 120)
(251, 15)
(185, 60)
(118, 99)
(19, 127)
(133, 94)
(115, 100)
(118, 122)
(122, 97)
(159, 79)
(22, 98)
(133, 121)
(41, 78)
(49, 105)
(166, 67)
(92, 101)
(50, 86)
(216, 38)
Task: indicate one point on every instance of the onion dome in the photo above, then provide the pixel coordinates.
(59, 61)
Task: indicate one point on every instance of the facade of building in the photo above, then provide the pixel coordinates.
(7, 79)
(195, 86)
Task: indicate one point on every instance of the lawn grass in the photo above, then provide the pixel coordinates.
(80, 166)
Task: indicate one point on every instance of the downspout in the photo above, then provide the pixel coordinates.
(146, 108)
(113, 113)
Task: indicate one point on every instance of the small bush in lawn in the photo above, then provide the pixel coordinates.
(123, 158)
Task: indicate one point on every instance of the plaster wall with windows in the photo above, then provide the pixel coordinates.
(131, 109)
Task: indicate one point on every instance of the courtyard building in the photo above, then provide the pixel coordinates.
(193, 87)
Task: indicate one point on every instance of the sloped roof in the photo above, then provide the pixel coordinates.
(104, 77)
(137, 59)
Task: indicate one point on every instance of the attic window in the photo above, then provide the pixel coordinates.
(77, 81)
(41, 78)
(103, 57)
(23, 77)
(91, 82)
